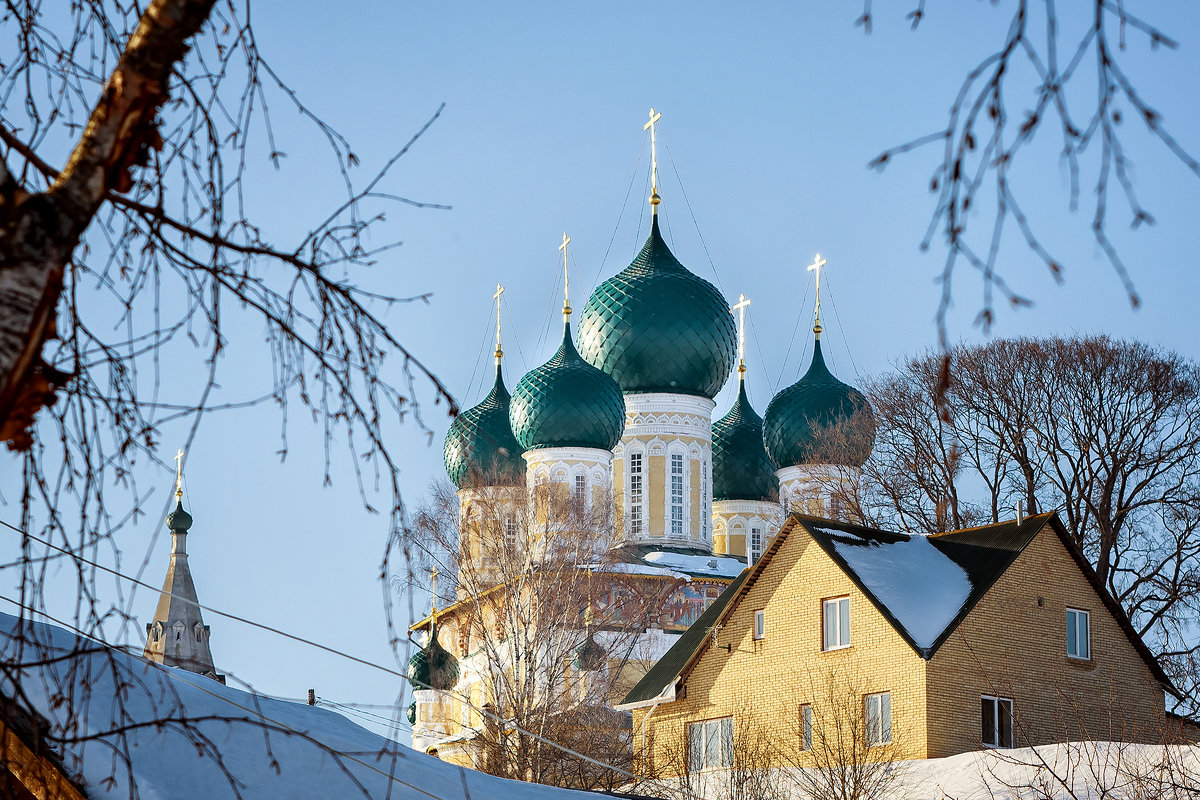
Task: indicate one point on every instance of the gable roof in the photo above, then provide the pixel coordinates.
(667, 669)
(881, 565)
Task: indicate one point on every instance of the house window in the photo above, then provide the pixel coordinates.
(677, 494)
(878, 709)
(836, 623)
(635, 494)
(510, 533)
(756, 544)
(1079, 634)
(760, 624)
(996, 721)
(806, 727)
(710, 744)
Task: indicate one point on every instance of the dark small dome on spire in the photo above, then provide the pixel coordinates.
(433, 667)
(480, 444)
(656, 327)
(741, 468)
(567, 402)
(412, 713)
(179, 520)
(817, 400)
(590, 656)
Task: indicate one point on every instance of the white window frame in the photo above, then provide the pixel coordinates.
(637, 492)
(760, 624)
(879, 731)
(755, 548)
(841, 623)
(1077, 617)
(677, 493)
(710, 744)
(996, 704)
(806, 739)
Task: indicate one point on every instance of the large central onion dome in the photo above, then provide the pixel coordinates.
(818, 400)
(656, 327)
(567, 402)
(433, 667)
(480, 445)
(741, 468)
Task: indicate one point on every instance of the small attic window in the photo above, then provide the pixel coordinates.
(835, 623)
(1079, 634)
(760, 624)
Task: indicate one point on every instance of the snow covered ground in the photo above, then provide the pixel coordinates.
(240, 744)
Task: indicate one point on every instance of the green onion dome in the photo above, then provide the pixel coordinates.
(179, 520)
(590, 656)
(656, 327)
(412, 714)
(480, 444)
(741, 468)
(567, 402)
(433, 667)
(818, 400)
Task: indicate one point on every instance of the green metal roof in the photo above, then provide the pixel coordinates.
(817, 400)
(590, 656)
(567, 402)
(741, 468)
(480, 445)
(656, 327)
(433, 667)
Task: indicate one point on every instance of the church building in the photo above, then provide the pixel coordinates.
(605, 463)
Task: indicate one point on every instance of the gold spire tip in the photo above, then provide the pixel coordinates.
(655, 116)
(740, 306)
(179, 475)
(496, 297)
(818, 262)
(566, 240)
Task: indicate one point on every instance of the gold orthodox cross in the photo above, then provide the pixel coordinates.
(818, 262)
(179, 474)
(496, 297)
(740, 307)
(566, 276)
(433, 579)
(649, 126)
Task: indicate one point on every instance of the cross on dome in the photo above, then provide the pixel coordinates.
(496, 297)
(655, 116)
(566, 240)
(818, 262)
(742, 304)
(179, 475)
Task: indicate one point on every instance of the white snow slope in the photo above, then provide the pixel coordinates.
(243, 745)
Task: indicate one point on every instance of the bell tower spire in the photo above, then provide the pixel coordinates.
(178, 636)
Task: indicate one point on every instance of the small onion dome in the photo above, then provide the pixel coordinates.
(412, 713)
(433, 667)
(179, 520)
(480, 442)
(656, 327)
(741, 468)
(590, 656)
(816, 400)
(567, 402)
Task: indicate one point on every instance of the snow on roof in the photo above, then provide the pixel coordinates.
(717, 566)
(922, 588)
(642, 569)
(271, 748)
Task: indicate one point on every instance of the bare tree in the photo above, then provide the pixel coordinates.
(547, 625)
(1107, 431)
(127, 253)
(1059, 51)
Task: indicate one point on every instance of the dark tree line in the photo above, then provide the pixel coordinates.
(1105, 431)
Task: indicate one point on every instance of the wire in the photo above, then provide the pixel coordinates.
(842, 330)
(695, 222)
(636, 168)
(176, 675)
(792, 341)
(464, 699)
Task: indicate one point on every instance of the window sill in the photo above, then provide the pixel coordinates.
(835, 649)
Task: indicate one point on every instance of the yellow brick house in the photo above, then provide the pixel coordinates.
(998, 636)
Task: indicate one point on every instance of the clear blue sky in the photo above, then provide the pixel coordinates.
(771, 112)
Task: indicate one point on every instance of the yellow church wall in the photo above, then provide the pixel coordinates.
(763, 683)
(1013, 645)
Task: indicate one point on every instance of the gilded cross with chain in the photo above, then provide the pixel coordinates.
(818, 262)
(740, 307)
(496, 297)
(649, 126)
(566, 276)
(179, 475)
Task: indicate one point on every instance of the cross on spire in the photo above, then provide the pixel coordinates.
(740, 307)
(566, 276)
(649, 126)
(433, 590)
(496, 297)
(818, 262)
(179, 475)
